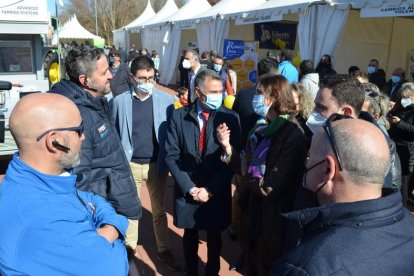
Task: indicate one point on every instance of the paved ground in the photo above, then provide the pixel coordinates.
(149, 264)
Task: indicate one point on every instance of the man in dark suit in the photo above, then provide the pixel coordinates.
(394, 84)
(243, 103)
(376, 75)
(192, 63)
(202, 178)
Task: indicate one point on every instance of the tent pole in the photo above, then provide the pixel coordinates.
(389, 45)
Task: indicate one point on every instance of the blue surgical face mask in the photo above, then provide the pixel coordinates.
(315, 121)
(395, 79)
(146, 87)
(259, 106)
(406, 102)
(371, 69)
(111, 59)
(213, 101)
(217, 67)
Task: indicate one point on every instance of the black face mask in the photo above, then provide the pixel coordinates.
(315, 193)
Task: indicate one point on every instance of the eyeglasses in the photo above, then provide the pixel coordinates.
(327, 127)
(144, 79)
(78, 129)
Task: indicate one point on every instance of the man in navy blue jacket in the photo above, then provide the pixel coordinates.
(359, 228)
(103, 168)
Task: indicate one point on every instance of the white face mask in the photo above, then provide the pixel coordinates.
(186, 64)
(406, 102)
(315, 121)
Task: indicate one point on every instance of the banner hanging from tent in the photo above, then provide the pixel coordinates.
(275, 35)
(402, 10)
(244, 57)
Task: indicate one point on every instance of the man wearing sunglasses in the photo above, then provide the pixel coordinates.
(103, 168)
(346, 96)
(48, 226)
(359, 228)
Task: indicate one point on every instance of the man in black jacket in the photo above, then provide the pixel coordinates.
(120, 81)
(359, 228)
(394, 84)
(104, 168)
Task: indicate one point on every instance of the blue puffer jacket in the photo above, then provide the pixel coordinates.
(104, 169)
(49, 228)
(371, 237)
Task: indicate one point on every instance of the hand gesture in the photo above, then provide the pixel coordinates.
(223, 137)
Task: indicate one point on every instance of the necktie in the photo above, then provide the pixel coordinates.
(203, 139)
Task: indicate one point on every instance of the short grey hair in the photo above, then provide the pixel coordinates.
(195, 54)
(362, 165)
(203, 75)
(82, 61)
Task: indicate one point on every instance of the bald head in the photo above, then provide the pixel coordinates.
(362, 148)
(37, 113)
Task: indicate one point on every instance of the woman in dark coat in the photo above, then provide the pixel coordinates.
(401, 119)
(324, 68)
(272, 169)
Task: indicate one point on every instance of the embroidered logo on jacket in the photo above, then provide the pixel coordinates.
(102, 130)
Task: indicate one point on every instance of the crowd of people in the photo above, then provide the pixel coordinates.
(322, 164)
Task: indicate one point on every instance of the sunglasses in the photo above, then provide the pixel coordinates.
(78, 129)
(327, 127)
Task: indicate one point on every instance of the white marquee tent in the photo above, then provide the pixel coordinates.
(72, 29)
(172, 36)
(121, 36)
(321, 23)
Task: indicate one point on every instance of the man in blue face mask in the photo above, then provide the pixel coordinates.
(394, 84)
(140, 116)
(202, 178)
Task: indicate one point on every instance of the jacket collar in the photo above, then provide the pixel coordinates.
(19, 172)
(79, 96)
(385, 210)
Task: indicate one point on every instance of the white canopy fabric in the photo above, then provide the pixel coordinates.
(168, 60)
(211, 35)
(320, 29)
(182, 18)
(146, 15)
(167, 10)
(227, 9)
(121, 36)
(72, 29)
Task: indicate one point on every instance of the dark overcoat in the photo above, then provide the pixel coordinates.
(190, 169)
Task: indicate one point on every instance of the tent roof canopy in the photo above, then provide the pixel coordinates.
(146, 15)
(183, 15)
(167, 10)
(227, 9)
(72, 29)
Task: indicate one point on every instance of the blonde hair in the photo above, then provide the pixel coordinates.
(306, 103)
(407, 90)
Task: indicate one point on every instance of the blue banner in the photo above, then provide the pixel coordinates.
(233, 49)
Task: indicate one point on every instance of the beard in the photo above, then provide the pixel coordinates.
(70, 160)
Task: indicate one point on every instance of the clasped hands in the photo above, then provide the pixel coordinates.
(200, 194)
